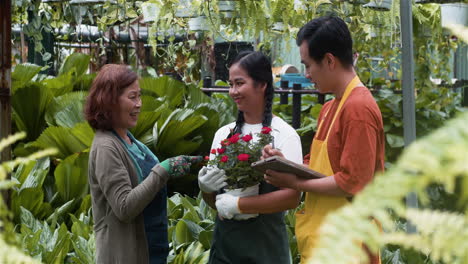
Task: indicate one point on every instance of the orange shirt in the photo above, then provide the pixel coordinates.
(356, 145)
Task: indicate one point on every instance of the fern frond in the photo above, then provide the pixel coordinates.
(8, 253)
(443, 235)
(12, 255)
(8, 166)
(11, 139)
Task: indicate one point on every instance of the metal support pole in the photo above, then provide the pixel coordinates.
(5, 79)
(207, 82)
(284, 97)
(407, 69)
(296, 111)
(321, 98)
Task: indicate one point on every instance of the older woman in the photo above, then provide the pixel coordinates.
(128, 184)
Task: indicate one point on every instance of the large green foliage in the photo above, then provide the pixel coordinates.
(29, 105)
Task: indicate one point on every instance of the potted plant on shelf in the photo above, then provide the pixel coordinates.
(235, 156)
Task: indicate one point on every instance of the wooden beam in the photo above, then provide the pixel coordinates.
(5, 79)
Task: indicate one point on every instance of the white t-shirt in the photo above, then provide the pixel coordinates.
(286, 138)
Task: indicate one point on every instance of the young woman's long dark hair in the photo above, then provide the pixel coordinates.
(258, 67)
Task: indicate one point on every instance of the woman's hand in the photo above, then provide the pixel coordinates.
(211, 179)
(269, 151)
(179, 166)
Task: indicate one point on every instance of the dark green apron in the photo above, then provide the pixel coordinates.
(258, 240)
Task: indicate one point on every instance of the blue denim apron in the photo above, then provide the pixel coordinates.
(155, 213)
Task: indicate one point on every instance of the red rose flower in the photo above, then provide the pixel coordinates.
(213, 151)
(224, 158)
(243, 157)
(225, 142)
(207, 158)
(234, 139)
(266, 130)
(247, 138)
(221, 150)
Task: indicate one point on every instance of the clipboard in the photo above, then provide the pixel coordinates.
(280, 164)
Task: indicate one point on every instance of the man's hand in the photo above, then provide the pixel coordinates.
(282, 179)
(211, 179)
(269, 151)
(227, 205)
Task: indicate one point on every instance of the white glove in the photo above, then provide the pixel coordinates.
(211, 179)
(227, 205)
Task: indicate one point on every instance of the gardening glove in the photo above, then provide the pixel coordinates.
(227, 205)
(211, 179)
(179, 166)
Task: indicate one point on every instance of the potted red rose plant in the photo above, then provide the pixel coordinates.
(235, 156)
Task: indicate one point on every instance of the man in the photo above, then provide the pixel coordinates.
(349, 143)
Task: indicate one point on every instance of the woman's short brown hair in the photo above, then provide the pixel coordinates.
(103, 96)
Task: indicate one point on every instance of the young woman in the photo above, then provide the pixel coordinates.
(127, 181)
(262, 239)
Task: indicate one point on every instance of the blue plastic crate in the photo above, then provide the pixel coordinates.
(294, 78)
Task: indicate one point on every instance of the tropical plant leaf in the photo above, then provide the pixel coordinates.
(150, 103)
(66, 110)
(60, 212)
(77, 63)
(29, 106)
(84, 133)
(165, 86)
(395, 141)
(23, 74)
(172, 138)
(209, 128)
(205, 237)
(227, 108)
(22, 172)
(60, 85)
(84, 250)
(196, 97)
(57, 246)
(83, 226)
(32, 200)
(27, 219)
(193, 252)
(71, 176)
(34, 177)
(145, 124)
(61, 138)
(181, 234)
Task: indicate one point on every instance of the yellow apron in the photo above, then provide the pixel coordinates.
(317, 206)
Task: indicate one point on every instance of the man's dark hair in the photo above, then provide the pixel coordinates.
(327, 34)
